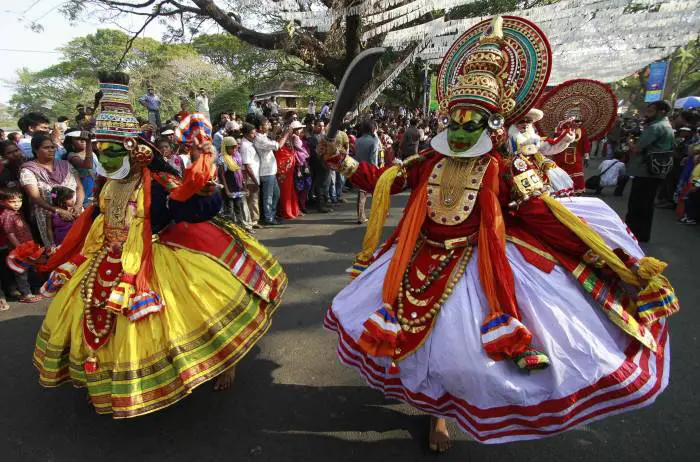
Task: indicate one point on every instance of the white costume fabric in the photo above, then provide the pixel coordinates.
(529, 143)
(596, 370)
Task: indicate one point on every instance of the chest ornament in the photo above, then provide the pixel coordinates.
(453, 187)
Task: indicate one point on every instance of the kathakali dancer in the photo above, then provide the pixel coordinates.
(493, 303)
(523, 140)
(586, 106)
(153, 294)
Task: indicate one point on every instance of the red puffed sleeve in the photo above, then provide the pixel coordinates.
(535, 218)
(366, 175)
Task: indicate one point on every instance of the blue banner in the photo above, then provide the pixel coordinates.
(656, 82)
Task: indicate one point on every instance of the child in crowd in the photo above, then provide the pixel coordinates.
(17, 232)
(78, 147)
(62, 198)
(231, 175)
(176, 161)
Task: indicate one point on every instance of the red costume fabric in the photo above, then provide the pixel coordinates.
(571, 161)
(532, 218)
(288, 206)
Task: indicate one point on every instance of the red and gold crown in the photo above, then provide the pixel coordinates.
(498, 66)
(480, 86)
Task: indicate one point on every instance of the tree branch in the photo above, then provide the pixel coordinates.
(130, 42)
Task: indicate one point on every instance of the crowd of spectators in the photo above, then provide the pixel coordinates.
(660, 153)
(269, 170)
(267, 163)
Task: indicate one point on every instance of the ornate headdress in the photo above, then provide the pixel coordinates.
(498, 66)
(115, 120)
(590, 101)
(480, 86)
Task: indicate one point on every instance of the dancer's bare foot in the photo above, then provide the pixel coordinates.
(225, 380)
(439, 438)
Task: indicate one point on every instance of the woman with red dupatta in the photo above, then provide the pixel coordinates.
(288, 157)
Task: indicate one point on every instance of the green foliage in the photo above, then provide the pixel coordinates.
(245, 62)
(228, 68)
(173, 69)
(234, 99)
(407, 89)
(683, 79)
(254, 68)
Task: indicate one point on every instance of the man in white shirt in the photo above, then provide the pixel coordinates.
(251, 171)
(201, 103)
(252, 107)
(274, 107)
(611, 171)
(269, 188)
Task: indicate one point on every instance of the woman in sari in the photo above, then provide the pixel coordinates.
(39, 176)
(289, 156)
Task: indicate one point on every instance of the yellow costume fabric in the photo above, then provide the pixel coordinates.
(209, 322)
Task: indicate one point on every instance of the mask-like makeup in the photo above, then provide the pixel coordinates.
(464, 129)
(112, 160)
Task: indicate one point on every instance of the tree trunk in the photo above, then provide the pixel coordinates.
(353, 36)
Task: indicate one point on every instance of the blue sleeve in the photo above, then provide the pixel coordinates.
(194, 210)
(61, 153)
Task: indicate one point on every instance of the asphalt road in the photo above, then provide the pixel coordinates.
(293, 401)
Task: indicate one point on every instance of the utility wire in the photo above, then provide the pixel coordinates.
(30, 7)
(28, 51)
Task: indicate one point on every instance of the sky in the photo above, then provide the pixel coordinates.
(21, 47)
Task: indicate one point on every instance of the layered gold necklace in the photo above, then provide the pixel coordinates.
(453, 187)
(452, 182)
(117, 195)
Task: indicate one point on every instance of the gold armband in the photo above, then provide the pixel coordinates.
(348, 167)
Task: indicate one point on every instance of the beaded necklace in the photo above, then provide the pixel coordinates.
(412, 325)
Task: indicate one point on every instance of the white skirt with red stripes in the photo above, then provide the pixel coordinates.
(596, 369)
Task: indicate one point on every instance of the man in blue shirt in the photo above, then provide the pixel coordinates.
(151, 102)
(31, 124)
(325, 111)
(366, 150)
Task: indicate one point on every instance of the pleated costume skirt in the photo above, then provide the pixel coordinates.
(209, 322)
(596, 369)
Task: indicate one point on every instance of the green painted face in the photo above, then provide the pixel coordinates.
(464, 129)
(111, 155)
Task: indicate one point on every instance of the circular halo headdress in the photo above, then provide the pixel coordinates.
(500, 66)
(591, 101)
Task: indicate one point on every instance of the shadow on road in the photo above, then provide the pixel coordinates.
(256, 419)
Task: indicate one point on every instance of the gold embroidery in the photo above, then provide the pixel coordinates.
(531, 248)
(453, 187)
(417, 302)
(116, 196)
(348, 167)
(527, 180)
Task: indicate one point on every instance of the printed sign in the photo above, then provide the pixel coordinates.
(656, 82)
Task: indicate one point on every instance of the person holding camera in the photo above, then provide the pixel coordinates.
(650, 161)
